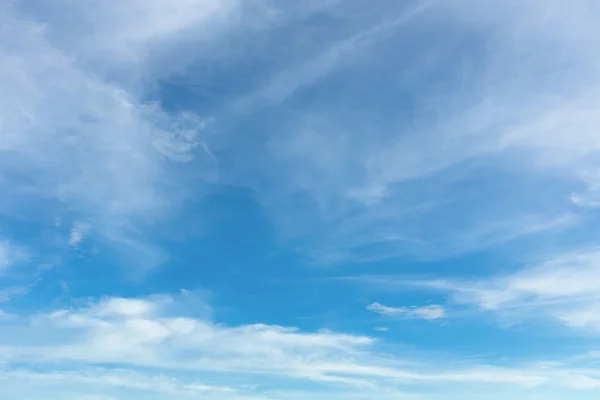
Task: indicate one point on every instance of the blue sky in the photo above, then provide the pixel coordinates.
(278, 200)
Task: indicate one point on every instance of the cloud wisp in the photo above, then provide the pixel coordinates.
(11, 254)
(562, 288)
(141, 333)
(77, 146)
(393, 138)
(395, 172)
(498, 113)
(429, 312)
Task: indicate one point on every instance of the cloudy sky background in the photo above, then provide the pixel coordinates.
(261, 200)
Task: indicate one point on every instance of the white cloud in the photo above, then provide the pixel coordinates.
(11, 254)
(77, 135)
(430, 313)
(341, 172)
(122, 35)
(5, 257)
(514, 115)
(591, 196)
(79, 232)
(79, 139)
(127, 379)
(8, 293)
(116, 384)
(563, 278)
(562, 288)
(78, 145)
(286, 83)
(381, 329)
(138, 332)
(150, 333)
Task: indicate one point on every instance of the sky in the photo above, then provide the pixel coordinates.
(278, 200)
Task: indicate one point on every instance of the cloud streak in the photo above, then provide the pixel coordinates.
(375, 137)
(497, 112)
(11, 254)
(430, 313)
(561, 288)
(79, 231)
(77, 144)
(142, 333)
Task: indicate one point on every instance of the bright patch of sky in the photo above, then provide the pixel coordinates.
(335, 200)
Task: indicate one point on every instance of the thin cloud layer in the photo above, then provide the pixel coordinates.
(368, 177)
(562, 288)
(134, 333)
(82, 146)
(431, 312)
(442, 156)
(11, 254)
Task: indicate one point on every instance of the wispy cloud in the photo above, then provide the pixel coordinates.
(414, 130)
(563, 278)
(590, 197)
(124, 37)
(148, 332)
(77, 145)
(8, 293)
(287, 82)
(325, 172)
(430, 312)
(79, 232)
(562, 288)
(79, 383)
(5, 256)
(504, 116)
(10, 254)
